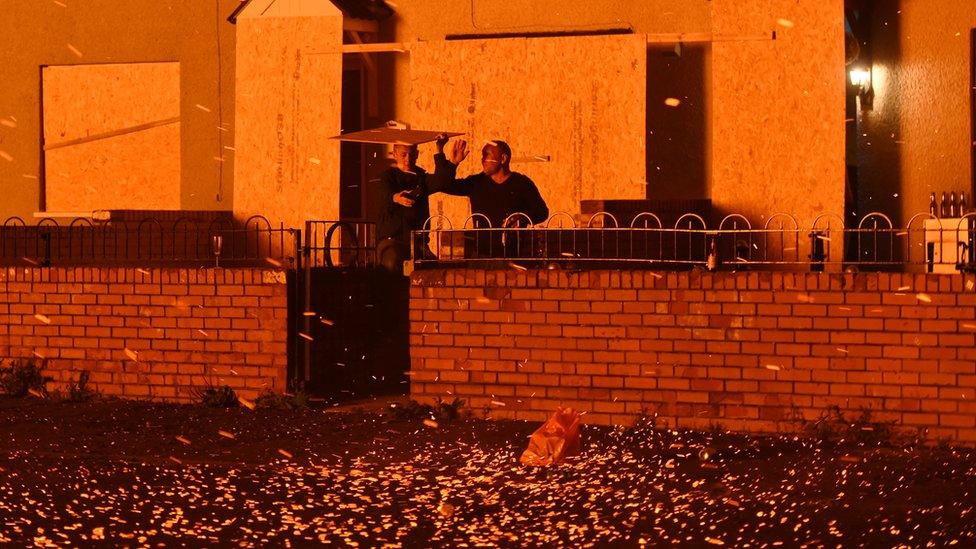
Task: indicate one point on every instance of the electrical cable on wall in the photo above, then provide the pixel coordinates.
(220, 114)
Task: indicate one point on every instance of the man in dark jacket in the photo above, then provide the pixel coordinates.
(496, 193)
(404, 207)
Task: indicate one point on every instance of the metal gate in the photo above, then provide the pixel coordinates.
(351, 320)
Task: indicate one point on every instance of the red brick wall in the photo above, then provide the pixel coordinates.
(149, 333)
(747, 351)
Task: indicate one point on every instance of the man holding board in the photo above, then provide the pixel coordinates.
(402, 193)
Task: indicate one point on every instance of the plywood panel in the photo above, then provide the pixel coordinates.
(85, 100)
(128, 172)
(289, 81)
(393, 136)
(578, 100)
(778, 110)
(290, 8)
(95, 158)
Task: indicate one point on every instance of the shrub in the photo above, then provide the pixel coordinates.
(78, 391)
(440, 411)
(643, 432)
(21, 376)
(217, 397)
(287, 401)
(834, 427)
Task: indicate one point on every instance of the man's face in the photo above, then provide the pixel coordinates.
(405, 156)
(492, 159)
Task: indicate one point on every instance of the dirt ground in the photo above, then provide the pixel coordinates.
(141, 474)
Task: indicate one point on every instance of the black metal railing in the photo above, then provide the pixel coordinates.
(925, 244)
(182, 242)
(340, 243)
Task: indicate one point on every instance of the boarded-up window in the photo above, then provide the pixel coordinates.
(572, 108)
(112, 136)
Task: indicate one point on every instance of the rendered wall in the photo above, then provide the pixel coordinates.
(549, 98)
(33, 34)
(289, 82)
(777, 110)
(917, 138)
(746, 351)
(160, 333)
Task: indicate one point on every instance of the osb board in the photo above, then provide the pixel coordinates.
(578, 100)
(289, 8)
(289, 78)
(134, 171)
(535, 15)
(778, 110)
(138, 170)
(393, 136)
(85, 100)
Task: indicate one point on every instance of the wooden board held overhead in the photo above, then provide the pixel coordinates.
(393, 136)
(574, 106)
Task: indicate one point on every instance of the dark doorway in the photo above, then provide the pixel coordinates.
(352, 165)
(359, 334)
(676, 156)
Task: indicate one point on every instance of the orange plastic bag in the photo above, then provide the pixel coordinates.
(558, 438)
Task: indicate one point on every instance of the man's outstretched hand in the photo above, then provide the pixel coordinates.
(458, 151)
(404, 198)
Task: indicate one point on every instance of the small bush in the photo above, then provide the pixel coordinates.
(21, 376)
(441, 410)
(78, 391)
(834, 427)
(287, 401)
(643, 432)
(217, 397)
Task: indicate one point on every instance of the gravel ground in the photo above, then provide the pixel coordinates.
(140, 474)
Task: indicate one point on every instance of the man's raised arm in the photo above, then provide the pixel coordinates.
(444, 179)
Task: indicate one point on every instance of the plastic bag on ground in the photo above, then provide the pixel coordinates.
(557, 439)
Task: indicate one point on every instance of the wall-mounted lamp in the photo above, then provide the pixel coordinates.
(861, 80)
